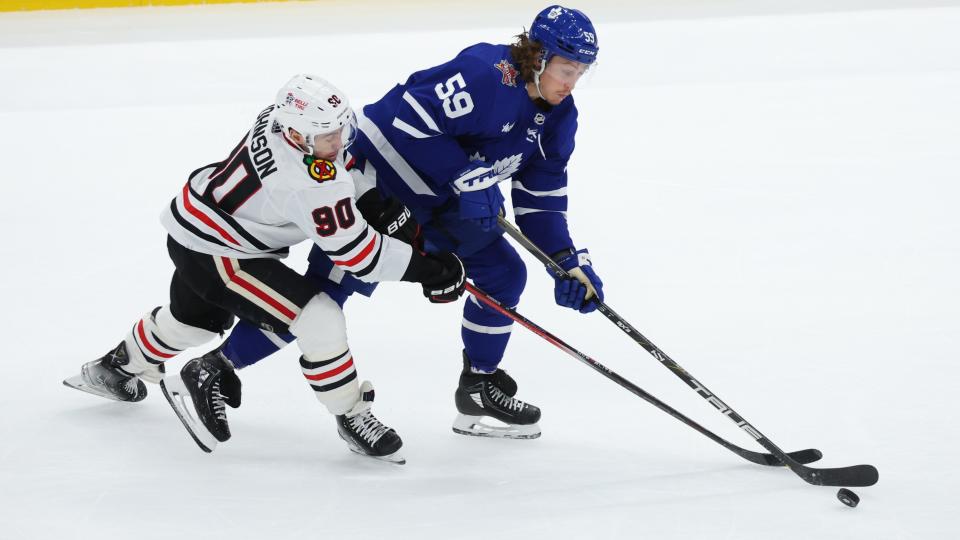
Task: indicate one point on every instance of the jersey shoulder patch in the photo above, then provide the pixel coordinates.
(319, 169)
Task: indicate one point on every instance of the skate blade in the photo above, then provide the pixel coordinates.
(394, 458)
(476, 427)
(77, 383)
(182, 404)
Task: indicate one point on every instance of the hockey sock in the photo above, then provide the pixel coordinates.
(156, 338)
(334, 381)
(485, 335)
(248, 344)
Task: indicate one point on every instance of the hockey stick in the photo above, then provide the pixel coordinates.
(802, 456)
(853, 476)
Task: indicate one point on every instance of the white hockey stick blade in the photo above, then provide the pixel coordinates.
(180, 401)
(476, 427)
(78, 383)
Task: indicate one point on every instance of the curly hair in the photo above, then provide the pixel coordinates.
(526, 53)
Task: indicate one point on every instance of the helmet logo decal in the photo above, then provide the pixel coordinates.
(554, 13)
(334, 100)
(508, 71)
(320, 170)
(296, 102)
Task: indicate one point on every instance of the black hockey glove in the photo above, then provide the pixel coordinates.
(449, 283)
(391, 217)
(441, 275)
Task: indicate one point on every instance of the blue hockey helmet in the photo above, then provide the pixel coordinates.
(566, 32)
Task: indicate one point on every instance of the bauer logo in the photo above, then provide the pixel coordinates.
(320, 170)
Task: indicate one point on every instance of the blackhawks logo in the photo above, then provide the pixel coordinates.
(320, 170)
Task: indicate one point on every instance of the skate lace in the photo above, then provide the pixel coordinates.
(367, 426)
(502, 399)
(130, 385)
(216, 399)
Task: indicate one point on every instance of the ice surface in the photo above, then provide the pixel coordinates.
(770, 197)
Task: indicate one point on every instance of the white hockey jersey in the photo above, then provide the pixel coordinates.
(268, 195)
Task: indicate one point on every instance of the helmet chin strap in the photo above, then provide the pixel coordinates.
(536, 74)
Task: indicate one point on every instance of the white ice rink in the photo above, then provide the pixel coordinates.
(769, 191)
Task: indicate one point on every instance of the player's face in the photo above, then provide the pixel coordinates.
(329, 145)
(559, 79)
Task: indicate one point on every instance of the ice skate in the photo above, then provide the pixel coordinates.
(365, 434)
(484, 396)
(199, 393)
(105, 377)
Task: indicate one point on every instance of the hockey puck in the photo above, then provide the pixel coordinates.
(848, 497)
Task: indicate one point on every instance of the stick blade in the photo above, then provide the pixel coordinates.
(854, 476)
(809, 455)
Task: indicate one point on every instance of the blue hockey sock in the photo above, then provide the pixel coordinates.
(485, 335)
(248, 344)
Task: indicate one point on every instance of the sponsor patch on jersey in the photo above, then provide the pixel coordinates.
(320, 170)
(539, 119)
(508, 71)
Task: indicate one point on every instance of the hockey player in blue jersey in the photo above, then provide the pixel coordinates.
(441, 143)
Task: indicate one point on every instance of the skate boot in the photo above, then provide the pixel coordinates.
(491, 395)
(500, 377)
(366, 435)
(105, 377)
(198, 395)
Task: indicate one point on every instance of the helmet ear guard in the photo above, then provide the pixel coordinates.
(312, 106)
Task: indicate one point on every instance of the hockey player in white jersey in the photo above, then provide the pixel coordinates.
(284, 182)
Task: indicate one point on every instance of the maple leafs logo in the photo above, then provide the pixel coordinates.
(506, 167)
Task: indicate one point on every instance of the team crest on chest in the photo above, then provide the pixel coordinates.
(508, 71)
(320, 170)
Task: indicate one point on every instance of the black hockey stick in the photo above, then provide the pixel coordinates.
(802, 456)
(852, 476)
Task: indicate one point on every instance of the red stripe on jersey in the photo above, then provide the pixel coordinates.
(228, 266)
(143, 339)
(351, 163)
(331, 373)
(360, 256)
(203, 217)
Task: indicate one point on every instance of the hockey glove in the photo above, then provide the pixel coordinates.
(390, 217)
(480, 197)
(582, 287)
(448, 283)
(441, 275)
(395, 220)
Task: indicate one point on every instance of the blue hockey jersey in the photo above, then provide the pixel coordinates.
(424, 132)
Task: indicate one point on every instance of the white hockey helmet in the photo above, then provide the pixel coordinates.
(312, 106)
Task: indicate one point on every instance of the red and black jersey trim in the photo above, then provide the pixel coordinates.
(192, 229)
(364, 255)
(226, 240)
(229, 220)
(351, 245)
(373, 264)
